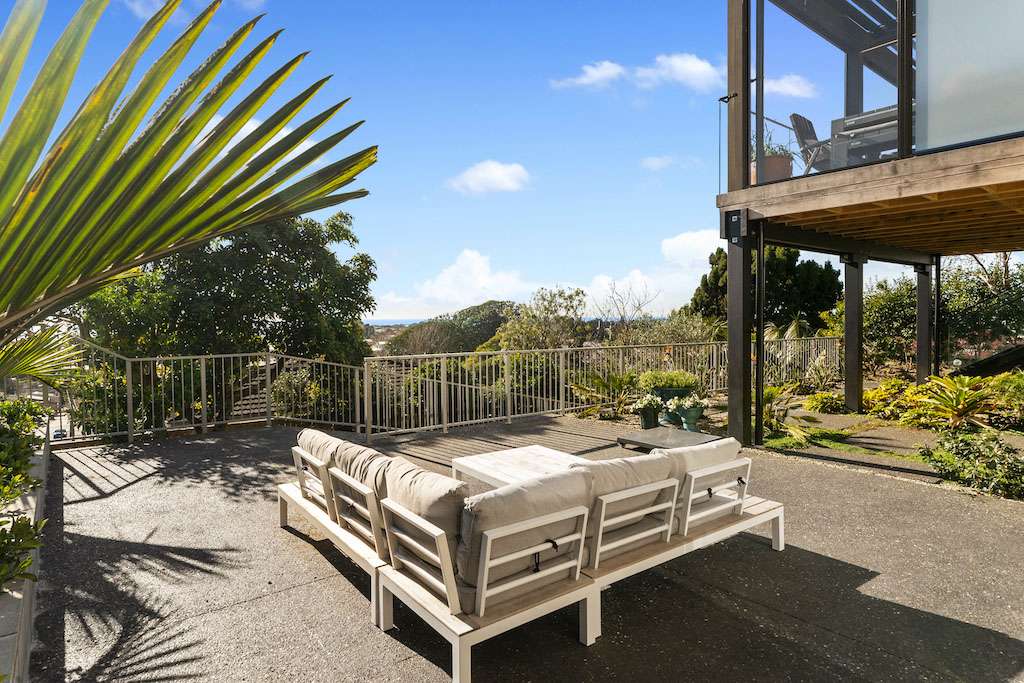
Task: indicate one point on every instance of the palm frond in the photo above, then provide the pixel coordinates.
(49, 356)
(106, 198)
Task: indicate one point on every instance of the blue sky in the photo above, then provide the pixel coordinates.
(521, 144)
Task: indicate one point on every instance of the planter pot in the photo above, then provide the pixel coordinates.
(668, 418)
(649, 418)
(689, 418)
(776, 167)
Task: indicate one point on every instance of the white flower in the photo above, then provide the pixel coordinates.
(648, 401)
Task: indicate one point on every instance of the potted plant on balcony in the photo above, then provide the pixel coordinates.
(778, 161)
(668, 384)
(689, 409)
(648, 407)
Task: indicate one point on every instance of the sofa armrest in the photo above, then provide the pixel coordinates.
(712, 491)
(312, 477)
(408, 553)
(350, 494)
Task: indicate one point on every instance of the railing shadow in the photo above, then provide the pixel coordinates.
(740, 611)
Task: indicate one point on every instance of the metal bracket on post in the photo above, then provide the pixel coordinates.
(508, 389)
(367, 399)
(131, 400)
(267, 367)
(202, 392)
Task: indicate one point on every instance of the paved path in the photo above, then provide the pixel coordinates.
(166, 562)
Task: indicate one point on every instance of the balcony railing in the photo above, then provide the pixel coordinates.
(113, 396)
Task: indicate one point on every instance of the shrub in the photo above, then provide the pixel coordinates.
(880, 401)
(666, 379)
(18, 440)
(1009, 414)
(821, 375)
(959, 400)
(983, 461)
(825, 402)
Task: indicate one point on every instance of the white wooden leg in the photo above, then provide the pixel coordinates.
(386, 608)
(460, 662)
(779, 533)
(590, 618)
(282, 508)
(374, 598)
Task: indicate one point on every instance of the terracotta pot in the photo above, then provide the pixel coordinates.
(776, 167)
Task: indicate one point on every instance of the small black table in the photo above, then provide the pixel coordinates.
(665, 437)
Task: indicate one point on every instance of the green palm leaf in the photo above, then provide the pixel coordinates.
(49, 356)
(106, 198)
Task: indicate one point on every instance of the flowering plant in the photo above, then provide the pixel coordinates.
(646, 402)
(683, 403)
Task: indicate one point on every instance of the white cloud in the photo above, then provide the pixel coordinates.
(593, 75)
(791, 85)
(691, 249)
(490, 176)
(682, 68)
(144, 9)
(468, 281)
(657, 163)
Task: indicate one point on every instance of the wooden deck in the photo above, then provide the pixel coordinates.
(592, 439)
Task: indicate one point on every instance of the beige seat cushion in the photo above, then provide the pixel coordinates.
(689, 458)
(619, 474)
(434, 497)
(515, 503)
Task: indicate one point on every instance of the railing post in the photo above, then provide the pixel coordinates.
(444, 396)
(508, 388)
(622, 361)
(202, 391)
(130, 402)
(367, 399)
(561, 382)
(267, 382)
(358, 403)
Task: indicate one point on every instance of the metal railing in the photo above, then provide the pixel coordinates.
(116, 396)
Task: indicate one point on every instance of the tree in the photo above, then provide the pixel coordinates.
(792, 287)
(463, 330)
(279, 285)
(622, 313)
(682, 327)
(552, 319)
(107, 199)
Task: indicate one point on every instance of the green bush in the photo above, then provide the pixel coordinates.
(1009, 414)
(825, 402)
(983, 461)
(881, 401)
(18, 441)
(666, 379)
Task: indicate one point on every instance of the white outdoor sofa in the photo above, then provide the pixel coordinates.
(475, 567)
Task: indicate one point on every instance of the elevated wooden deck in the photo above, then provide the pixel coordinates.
(961, 201)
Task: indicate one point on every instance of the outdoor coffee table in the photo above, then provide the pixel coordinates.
(513, 465)
(665, 437)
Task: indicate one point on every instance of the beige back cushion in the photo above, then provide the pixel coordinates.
(689, 458)
(515, 503)
(620, 474)
(434, 497)
(319, 444)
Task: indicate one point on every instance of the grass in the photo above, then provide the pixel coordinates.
(833, 439)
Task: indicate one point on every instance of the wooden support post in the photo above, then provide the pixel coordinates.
(854, 83)
(924, 323)
(759, 297)
(853, 332)
(738, 134)
(740, 319)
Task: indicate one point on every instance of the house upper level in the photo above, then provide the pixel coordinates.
(886, 120)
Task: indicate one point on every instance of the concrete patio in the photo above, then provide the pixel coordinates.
(166, 562)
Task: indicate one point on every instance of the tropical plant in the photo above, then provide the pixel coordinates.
(103, 200)
(821, 374)
(777, 403)
(825, 402)
(960, 400)
(983, 461)
(19, 420)
(47, 355)
(607, 393)
(666, 379)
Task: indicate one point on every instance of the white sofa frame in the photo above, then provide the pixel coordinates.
(437, 601)
(603, 503)
(326, 508)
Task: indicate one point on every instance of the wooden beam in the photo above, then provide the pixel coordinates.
(853, 334)
(786, 236)
(739, 93)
